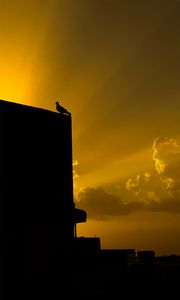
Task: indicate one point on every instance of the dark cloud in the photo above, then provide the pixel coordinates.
(100, 205)
(167, 205)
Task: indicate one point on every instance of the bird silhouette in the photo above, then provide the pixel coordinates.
(61, 109)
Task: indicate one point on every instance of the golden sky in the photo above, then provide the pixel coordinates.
(116, 66)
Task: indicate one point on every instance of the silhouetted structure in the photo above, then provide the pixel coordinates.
(36, 190)
(80, 216)
(40, 253)
(146, 256)
(85, 246)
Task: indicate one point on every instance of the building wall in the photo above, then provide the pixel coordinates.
(36, 193)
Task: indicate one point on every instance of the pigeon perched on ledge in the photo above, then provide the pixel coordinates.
(61, 109)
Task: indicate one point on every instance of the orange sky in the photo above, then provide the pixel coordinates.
(116, 66)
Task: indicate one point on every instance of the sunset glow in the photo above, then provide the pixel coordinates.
(116, 66)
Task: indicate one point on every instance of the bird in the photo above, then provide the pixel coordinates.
(61, 109)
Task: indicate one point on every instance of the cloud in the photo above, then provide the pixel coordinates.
(155, 190)
(170, 205)
(133, 183)
(164, 181)
(100, 205)
(167, 161)
(160, 190)
(145, 188)
(75, 174)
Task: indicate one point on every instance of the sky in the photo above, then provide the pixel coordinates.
(116, 66)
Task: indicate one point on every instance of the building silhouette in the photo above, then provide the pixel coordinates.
(41, 255)
(38, 215)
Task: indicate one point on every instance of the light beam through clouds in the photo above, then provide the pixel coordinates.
(155, 190)
(116, 64)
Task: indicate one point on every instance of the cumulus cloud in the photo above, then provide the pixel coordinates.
(146, 187)
(164, 182)
(75, 174)
(76, 187)
(133, 183)
(155, 190)
(99, 204)
(160, 190)
(167, 160)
